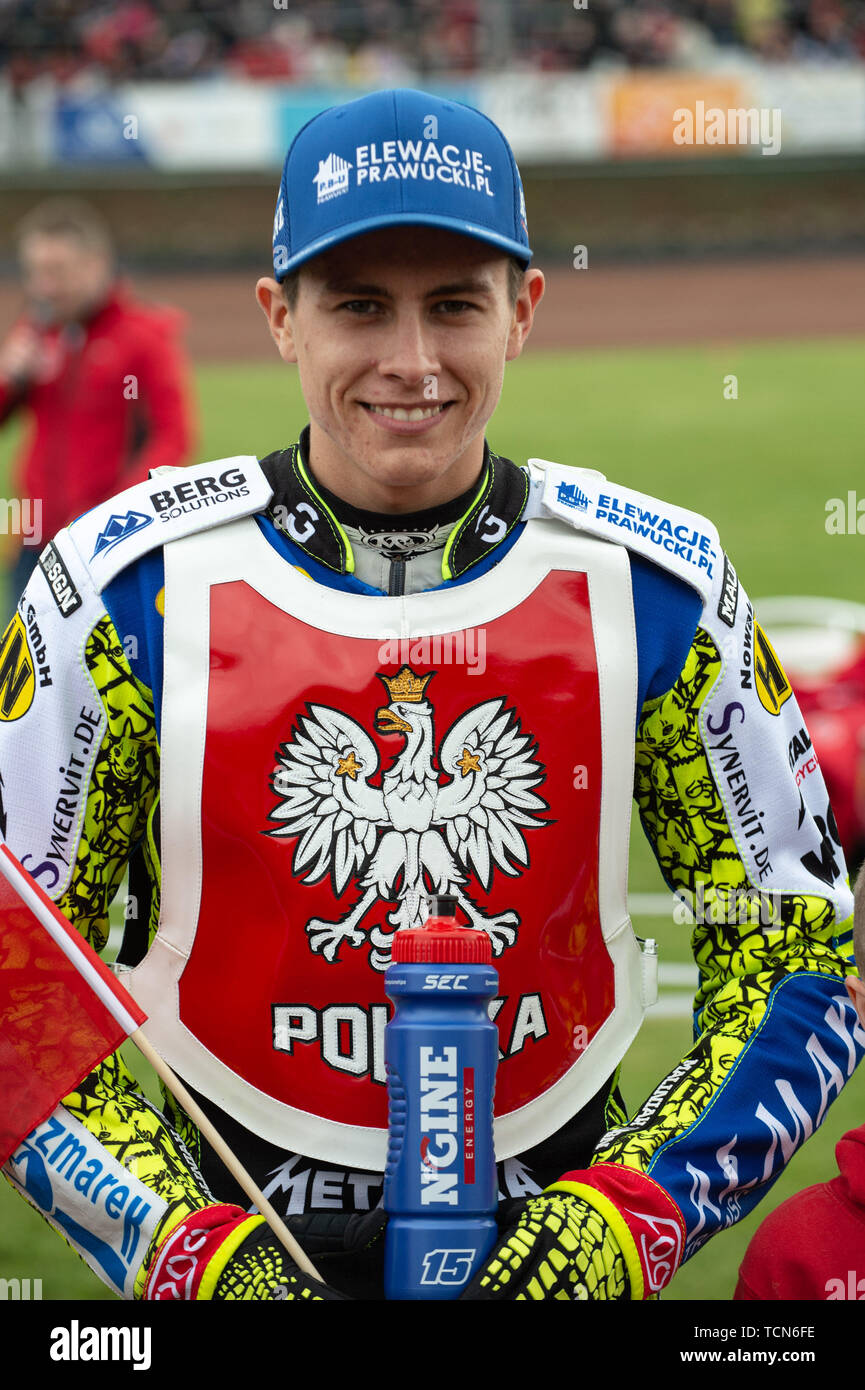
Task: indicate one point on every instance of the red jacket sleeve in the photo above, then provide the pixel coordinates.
(11, 396)
(10, 399)
(165, 394)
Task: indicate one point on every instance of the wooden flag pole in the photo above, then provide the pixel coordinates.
(232, 1163)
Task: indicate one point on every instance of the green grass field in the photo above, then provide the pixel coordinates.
(761, 466)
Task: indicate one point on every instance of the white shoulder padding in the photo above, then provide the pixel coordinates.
(676, 539)
(171, 504)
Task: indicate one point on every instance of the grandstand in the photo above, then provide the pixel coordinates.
(387, 42)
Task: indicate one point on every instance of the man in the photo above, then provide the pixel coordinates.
(301, 696)
(102, 378)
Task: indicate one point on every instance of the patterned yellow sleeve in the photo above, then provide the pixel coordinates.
(749, 844)
(122, 790)
(106, 1168)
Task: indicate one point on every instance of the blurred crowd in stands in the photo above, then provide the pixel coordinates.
(387, 42)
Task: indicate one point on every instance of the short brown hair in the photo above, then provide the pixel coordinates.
(516, 271)
(66, 217)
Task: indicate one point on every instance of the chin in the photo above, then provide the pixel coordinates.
(403, 480)
(411, 465)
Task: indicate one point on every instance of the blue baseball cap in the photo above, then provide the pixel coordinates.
(397, 158)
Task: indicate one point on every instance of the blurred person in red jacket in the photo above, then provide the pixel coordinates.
(102, 378)
(812, 1247)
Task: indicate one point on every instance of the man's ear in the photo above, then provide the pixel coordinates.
(269, 295)
(856, 990)
(528, 299)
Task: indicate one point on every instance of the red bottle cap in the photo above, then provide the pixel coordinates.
(440, 941)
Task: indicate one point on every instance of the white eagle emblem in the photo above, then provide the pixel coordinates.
(411, 836)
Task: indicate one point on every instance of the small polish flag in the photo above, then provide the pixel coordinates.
(62, 1011)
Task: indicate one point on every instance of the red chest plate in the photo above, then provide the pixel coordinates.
(344, 779)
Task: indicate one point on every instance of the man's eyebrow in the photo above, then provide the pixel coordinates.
(354, 287)
(477, 284)
(360, 289)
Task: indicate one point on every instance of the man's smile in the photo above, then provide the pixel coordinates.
(406, 419)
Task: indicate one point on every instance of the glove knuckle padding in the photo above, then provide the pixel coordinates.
(254, 1271)
(560, 1248)
(260, 1271)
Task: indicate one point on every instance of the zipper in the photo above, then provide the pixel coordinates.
(396, 578)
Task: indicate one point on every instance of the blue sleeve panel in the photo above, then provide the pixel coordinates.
(666, 612)
(773, 1097)
(130, 602)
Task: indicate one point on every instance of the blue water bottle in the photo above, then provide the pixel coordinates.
(441, 1049)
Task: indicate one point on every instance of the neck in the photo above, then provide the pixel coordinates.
(364, 519)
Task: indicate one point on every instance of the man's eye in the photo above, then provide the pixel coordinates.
(454, 306)
(362, 307)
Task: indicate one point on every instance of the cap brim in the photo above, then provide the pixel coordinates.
(410, 219)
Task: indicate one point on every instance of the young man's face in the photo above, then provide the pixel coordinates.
(390, 324)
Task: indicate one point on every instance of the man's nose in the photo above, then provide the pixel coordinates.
(409, 351)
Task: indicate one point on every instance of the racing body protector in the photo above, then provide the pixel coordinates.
(327, 763)
(198, 682)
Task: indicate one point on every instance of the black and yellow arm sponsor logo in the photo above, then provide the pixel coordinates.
(773, 687)
(17, 671)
